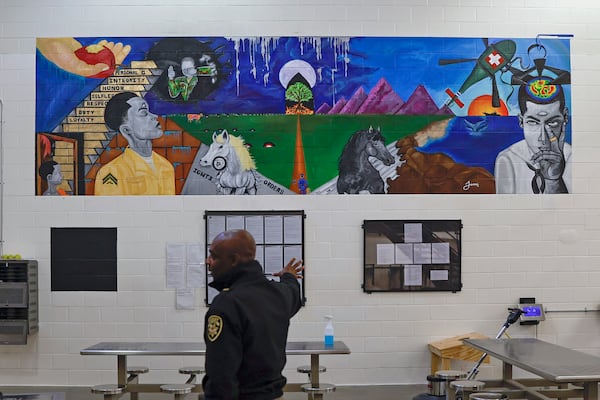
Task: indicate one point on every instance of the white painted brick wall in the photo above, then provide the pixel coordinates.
(513, 246)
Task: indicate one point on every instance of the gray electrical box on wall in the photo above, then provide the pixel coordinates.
(18, 300)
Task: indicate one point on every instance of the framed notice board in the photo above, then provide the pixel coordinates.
(412, 255)
(279, 236)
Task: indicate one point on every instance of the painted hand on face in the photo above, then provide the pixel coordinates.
(551, 158)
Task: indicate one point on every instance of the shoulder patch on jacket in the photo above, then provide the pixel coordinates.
(110, 180)
(214, 327)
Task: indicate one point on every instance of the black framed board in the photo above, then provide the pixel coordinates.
(412, 255)
(83, 259)
(279, 236)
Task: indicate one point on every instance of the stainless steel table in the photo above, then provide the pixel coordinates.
(556, 364)
(124, 349)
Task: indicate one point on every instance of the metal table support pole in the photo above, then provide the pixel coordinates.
(513, 317)
(590, 390)
(314, 374)
(122, 370)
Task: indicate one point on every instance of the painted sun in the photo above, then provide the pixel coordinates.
(482, 105)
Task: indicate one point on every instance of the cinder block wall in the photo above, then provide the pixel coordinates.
(513, 246)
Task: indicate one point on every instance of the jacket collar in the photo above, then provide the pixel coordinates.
(243, 272)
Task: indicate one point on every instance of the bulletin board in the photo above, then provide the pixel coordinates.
(279, 236)
(412, 255)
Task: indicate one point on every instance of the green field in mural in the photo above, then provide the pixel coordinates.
(271, 138)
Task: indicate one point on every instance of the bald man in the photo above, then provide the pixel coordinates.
(246, 326)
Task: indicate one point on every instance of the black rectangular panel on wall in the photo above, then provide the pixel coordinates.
(83, 259)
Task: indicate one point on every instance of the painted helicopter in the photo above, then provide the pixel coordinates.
(497, 57)
(540, 69)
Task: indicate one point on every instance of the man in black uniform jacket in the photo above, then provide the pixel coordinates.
(246, 326)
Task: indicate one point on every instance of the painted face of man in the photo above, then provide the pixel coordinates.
(188, 67)
(543, 124)
(141, 123)
(56, 177)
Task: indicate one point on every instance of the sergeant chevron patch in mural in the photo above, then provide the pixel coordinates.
(302, 115)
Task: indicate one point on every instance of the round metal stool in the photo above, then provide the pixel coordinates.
(192, 372)
(179, 391)
(110, 391)
(460, 390)
(305, 369)
(488, 396)
(439, 383)
(134, 373)
(321, 389)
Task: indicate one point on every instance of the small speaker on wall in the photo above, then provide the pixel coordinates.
(83, 259)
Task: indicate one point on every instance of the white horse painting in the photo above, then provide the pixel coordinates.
(228, 155)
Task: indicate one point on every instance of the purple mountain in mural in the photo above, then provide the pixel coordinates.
(382, 99)
(355, 102)
(324, 109)
(445, 110)
(419, 103)
(338, 106)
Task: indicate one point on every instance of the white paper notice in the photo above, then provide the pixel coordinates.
(176, 252)
(422, 253)
(385, 253)
(195, 255)
(413, 275)
(292, 229)
(185, 299)
(196, 275)
(176, 265)
(440, 253)
(216, 225)
(290, 252)
(438, 275)
(273, 259)
(413, 233)
(235, 222)
(404, 253)
(260, 255)
(273, 229)
(175, 275)
(254, 225)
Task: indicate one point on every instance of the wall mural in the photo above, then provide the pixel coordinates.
(302, 115)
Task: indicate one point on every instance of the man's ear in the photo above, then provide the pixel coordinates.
(521, 120)
(566, 115)
(235, 259)
(126, 132)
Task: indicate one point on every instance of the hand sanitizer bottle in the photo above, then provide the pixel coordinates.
(329, 330)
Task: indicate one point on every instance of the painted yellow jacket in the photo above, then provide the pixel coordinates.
(129, 174)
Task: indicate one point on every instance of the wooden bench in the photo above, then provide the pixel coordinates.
(453, 348)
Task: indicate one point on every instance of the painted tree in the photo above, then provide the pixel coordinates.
(298, 93)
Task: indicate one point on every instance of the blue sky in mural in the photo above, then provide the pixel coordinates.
(249, 72)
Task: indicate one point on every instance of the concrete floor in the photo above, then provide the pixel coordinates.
(379, 392)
